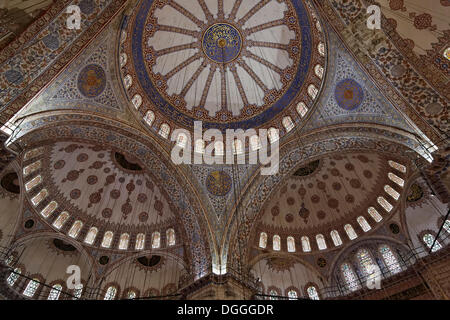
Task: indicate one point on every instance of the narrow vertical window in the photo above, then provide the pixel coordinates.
(291, 244)
(363, 223)
(107, 239)
(276, 243)
(428, 239)
(123, 242)
(350, 278)
(263, 240)
(390, 260)
(149, 118)
(306, 246)
(318, 70)
(288, 124)
(31, 288)
(273, 135)
(397, 166)
(302, 109)
(292, 294)
(396, 179)
(170, 235)
(374, 214)
(312, 293)
(62, 218)
(75, 229)
(90, 237)
(156, 240)
(110, 293)
(182, 140)
(350, 232)
(336, 238)
(13, 276)
(55, 292)
(385, 204)
(390, 191)
(320, 239)
(164, 130)
(140, 241)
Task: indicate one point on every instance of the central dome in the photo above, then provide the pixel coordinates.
(231, 64)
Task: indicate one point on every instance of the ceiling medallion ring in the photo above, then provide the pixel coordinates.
(222, 40)
(197, 86)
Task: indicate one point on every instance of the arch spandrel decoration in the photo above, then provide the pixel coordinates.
(190, 212)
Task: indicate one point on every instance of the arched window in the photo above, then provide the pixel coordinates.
(238, 147)
(110, 293)
(13, 276)
(219, 148)
(302, 109)
(350, 232)
(164, 130)
(140, 241)
(273, 295)
(62, 218)
(397, 166)
(255, 143)
(131, 294)
(182, 140)
(390, 260)
(78, 291)
(306, 246)
(288, 124)
(156, 240)
(273, 135)
(312, 91)
(318, 69)
(374, 214)
(123, 242)
(396, 179)
(137, 101)
(320, 239)
(428, 239)
(276, 243)
(363, 223)
(263, 240)
(350, 278)
(55, 292)
(312, 293)
(366, 263)
(31, 168)
(75, 229)
(447, 226)
(149, 118)
(33, 182)
(127, 81)
(321, 49)
(123, 59)
(292, 294)
(170, 235)
(49, 209)
(107, 239)
(291, 244)
(336, 238)
(199, 146)
(39, 197)
(390, 191)
(90, 237)
(31, 288)
(385, 204)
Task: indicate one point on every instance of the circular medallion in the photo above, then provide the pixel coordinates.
(349, 94)
(218, 183)
(91, 81)
(222, 43)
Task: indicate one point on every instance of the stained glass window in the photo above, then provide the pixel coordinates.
(374, 214)
(75, 229)
(149, 118)
(78, 291)
(13, 276)
(429, 239)
(447, 226)
(397, 166)
(292, 294)
(33, 182)
(390, 191)
(312, 293)
(350, 278)
(156, 240)
(306, 246)
(49, 209)
(123, 242)
(107, 239)
(336, 238)
(164, 130)
(321, 242)
(255, 143)
(199, 146)
(110, 293)
(263, 240)
(137, 101)
(321, 49)
(90, 237)
(62, 218)
(291, 244)
(276, 243)
(39, 197)
(31, 288)
(31, 168)
(363, 223)
(366, 263)
(182, 140)
(273, 135)
(385, 204)
(350, 232)
(170, 235)
(389, 259)
(312, 91)
(33, 153)
(318, 69)
(396, 179)
(273, 295)
(140, 241)
(288, 124)
(55, 292)
(131, 294)
(302, 109)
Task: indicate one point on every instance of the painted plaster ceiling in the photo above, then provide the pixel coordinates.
(231, 64)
